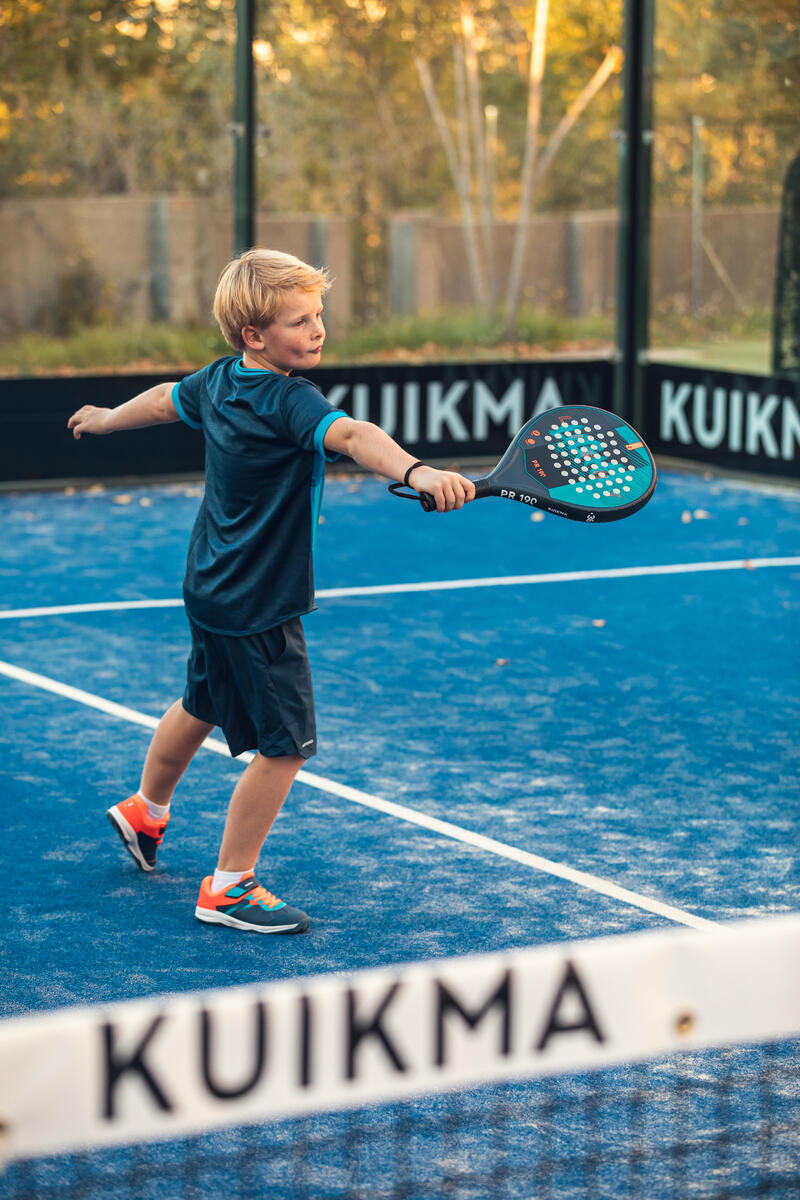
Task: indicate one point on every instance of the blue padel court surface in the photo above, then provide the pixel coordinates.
(615, 707)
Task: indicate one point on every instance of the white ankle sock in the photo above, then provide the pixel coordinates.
(226, 879)
(156, 812)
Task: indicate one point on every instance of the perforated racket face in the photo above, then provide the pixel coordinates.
(578, 462)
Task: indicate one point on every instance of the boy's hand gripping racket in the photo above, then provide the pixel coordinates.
(577, 462)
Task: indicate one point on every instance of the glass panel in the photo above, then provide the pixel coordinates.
(115, 177)
(726, 134)
(392, 148)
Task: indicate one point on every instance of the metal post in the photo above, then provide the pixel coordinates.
(490, 141)
(633, 256)
(244, 128)
(697, 215)
(490, 135)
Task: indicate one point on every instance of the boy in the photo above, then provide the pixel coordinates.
(249, 573)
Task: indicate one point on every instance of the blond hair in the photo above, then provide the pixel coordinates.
(253, 287)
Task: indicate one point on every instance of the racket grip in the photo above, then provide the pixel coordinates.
(482, 488)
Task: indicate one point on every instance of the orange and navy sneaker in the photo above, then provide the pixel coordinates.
(140, 834)
(247, 905)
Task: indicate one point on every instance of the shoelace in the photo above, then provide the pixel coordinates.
(260, 893)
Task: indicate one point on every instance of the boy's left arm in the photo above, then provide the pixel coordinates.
(153, 407)
(375, 450)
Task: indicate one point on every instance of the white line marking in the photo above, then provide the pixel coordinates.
(441, 585)
(582, 878)
(456, 833)
(59, 610)
(562, 577)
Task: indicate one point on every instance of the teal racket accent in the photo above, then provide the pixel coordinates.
(589, 464)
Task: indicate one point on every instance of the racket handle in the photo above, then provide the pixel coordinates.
(482, 488)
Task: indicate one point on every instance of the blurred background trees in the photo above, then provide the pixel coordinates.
(137, 96)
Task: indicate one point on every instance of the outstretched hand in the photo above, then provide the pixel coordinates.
(89, 420)
(449, 489)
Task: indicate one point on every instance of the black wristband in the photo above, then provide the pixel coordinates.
(408, 472)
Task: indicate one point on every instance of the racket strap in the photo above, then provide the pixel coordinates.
(410, 469)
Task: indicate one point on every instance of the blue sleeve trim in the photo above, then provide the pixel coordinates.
(179, 409)
(319, 434)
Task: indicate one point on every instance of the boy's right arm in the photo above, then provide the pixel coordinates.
(153, 407)
(373, 448)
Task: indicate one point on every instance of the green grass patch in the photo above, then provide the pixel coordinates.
(460, 334)
(729, 342)
(675, 330)
(742, 341)
(752, 356)
(104, 348)
(467, 334)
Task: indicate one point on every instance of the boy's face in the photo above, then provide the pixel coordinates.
(293, 341)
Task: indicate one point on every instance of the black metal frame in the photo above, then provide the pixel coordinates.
(244, 128)
(633, 252)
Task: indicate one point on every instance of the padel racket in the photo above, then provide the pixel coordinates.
(577, 462)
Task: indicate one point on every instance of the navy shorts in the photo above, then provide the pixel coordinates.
(256, 688)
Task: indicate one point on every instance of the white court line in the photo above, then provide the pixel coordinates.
(456, 833)
(60, 610)
(441, 585)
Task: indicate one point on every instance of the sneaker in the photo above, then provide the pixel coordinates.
(249, 906)
(140, 834)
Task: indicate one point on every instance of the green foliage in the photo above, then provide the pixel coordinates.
(105, 348)
(137, 95)
(435, 337)
(736, 66)
(79, 298)
(470, 335)
(114, 97)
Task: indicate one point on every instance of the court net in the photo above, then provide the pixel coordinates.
(657, 1065)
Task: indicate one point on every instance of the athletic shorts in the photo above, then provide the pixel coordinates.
(256, 688)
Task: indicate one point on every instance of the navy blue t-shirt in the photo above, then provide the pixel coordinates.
(250, 560)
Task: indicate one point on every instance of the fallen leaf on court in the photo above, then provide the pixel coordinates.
(599, 623)
(686, 517)
(122, 499)
(145, 501)
(537, 516)
(501, 662)
(700, 514)
(743, 521)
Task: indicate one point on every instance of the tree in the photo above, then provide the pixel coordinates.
(113, 97)
(131, 95)
(469, 149)
(738, 67)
